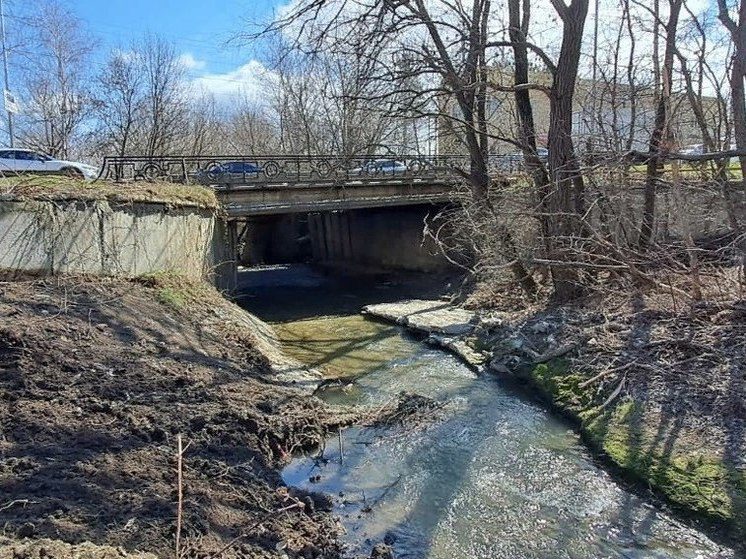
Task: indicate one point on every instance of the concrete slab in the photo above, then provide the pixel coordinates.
(431, 317)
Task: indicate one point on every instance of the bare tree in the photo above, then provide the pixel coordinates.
(659, 135)
(120, 103)
(734, 21)
(55, 79)
(166, 99)
(250, 130)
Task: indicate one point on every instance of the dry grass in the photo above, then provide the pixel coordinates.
(65, 188)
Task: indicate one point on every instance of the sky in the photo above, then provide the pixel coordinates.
(206, 34)
(203, 32)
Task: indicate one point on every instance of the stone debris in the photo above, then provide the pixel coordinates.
(426, 316)
(447, 326)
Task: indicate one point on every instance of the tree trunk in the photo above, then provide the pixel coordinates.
(565, 200)
(660, 128)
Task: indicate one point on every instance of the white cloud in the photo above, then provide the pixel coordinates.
(248, 81)
(188, 61)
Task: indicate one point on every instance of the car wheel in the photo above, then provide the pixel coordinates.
(73, 173)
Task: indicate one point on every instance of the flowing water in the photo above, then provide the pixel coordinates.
(496, 476)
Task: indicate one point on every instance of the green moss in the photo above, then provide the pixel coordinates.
(561, 386)
(175, 290)
(699, 482)
(683, 471)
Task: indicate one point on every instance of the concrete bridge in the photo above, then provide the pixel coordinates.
(361, 211)
(268, 185)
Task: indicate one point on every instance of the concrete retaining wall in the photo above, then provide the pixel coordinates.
(103, 238)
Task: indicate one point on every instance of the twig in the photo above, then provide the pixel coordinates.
(16, 502)
(181, 495)
(341, 450)
(605, 372)
(614, 394)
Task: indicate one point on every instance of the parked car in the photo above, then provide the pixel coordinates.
(14, 161)
(379, 167)
(230, 171)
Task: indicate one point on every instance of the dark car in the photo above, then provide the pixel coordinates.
(229, 172)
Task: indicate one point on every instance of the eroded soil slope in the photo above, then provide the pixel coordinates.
(97, 379)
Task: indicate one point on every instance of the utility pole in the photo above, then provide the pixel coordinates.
(5, 75)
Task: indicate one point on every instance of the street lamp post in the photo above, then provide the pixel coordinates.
(5, 74)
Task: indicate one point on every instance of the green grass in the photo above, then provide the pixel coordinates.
(173, 298)
(176, 291)
(57, 187)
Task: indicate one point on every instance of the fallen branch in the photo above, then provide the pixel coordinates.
(564, 349)
(16, 502)
(614, 394)
(606, 372)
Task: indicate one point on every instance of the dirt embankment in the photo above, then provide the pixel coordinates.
(97, 380)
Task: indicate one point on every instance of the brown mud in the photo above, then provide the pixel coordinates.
(98, 378)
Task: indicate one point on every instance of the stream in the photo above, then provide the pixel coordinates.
(494, 476)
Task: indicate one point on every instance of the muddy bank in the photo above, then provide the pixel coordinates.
(97, 380)
(659, 393)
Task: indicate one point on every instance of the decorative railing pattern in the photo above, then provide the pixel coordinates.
(271, 169)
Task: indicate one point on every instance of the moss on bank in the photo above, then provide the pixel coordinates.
(177, 292)
(58, 187)
(649, 446)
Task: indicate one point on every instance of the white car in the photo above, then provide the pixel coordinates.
(14, 161)
(694, 149)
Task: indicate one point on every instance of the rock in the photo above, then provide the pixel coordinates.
(497, 366)
(313, 501)
(426, 316)
(491, 322)
(382, 551)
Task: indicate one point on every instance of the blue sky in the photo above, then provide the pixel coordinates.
(200, 30)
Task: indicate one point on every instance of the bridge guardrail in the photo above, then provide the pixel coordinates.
(269, 169)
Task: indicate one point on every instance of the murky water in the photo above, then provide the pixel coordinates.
(496, 476)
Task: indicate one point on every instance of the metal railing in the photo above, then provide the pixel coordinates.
(283, 169)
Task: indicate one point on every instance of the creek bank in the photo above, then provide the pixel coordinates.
(98, 377)
(659, 394)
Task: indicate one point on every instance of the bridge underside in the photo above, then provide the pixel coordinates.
(243, 201)
(383, 238)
